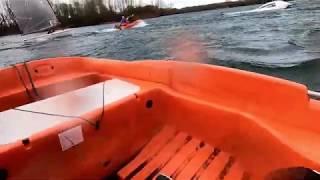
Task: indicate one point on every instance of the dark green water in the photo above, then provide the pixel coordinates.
(284, 43)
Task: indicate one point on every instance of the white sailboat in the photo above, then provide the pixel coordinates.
(36, 16)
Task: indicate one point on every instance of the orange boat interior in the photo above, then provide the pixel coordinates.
(163, 120)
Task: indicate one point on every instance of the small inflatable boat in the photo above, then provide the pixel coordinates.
(129, 25)
(85, 118)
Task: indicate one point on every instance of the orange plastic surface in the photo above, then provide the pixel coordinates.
(146, 155)
(195, 164)
(216, 167)
(235, 172)
(253, 117)
(182, 160)
(130, 25)
(163, 157)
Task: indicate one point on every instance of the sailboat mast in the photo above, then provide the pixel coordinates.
(53, 11)
(51, 6)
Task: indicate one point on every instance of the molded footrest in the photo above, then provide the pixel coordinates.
(175, 155)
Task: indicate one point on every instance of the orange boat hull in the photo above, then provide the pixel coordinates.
(265, 123)
(131, 25)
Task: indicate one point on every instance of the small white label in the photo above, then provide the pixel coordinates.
(70, 138)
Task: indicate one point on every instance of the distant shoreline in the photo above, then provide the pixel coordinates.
(88, 17)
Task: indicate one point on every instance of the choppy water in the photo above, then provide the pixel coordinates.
(283, 43)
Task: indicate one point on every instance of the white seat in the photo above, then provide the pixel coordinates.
(17, 125)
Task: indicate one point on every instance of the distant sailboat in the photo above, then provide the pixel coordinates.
(33, 16)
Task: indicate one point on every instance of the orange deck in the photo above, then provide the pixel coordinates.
(179, 156)
(184, 120)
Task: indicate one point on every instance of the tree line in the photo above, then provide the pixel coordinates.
(96, 11)
(7, 24)
(90, 12)
(93, 12)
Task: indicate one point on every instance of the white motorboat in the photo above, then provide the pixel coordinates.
(270, 6)
(274, 5)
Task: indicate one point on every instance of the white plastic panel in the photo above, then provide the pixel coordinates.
(17, 125)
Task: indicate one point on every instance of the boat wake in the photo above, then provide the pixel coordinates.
(141, 24)
(47, 37)
(107, 30)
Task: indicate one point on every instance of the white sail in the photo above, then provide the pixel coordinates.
(33, 15)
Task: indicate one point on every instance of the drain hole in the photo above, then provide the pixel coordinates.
(202, 144)
(149, 104)
(26, 142)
